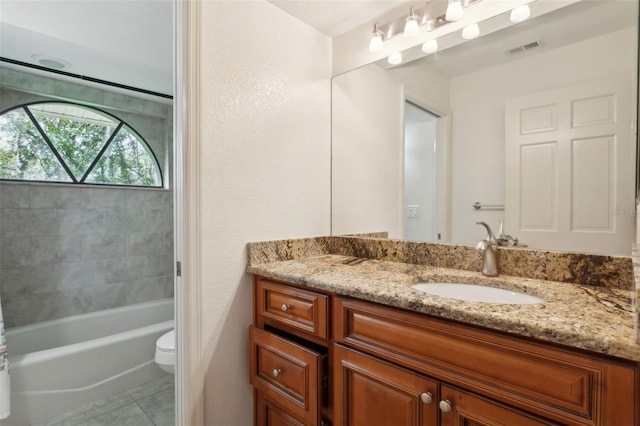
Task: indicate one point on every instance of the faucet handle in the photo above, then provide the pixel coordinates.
(501, 231)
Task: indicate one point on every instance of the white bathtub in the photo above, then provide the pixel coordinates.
(57, 366)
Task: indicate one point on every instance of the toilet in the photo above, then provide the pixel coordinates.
(166, 352)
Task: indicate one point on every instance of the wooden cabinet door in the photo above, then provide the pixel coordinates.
(369, 392)
(460, 408)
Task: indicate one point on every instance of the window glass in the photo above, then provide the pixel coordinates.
(64, 142)
(77, 133)
(126, 162)
(24, 154)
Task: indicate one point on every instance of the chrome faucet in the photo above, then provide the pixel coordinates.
(489, 248)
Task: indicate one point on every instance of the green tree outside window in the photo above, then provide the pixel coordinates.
(65, 142)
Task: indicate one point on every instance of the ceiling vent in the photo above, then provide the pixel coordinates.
(525, 47)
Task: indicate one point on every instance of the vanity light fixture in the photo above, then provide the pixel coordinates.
(375, 45)
(411, 26)
(430, 46)
(420, 20)
(520, 13)
(395, 58)
(454, 10)
(470, 32)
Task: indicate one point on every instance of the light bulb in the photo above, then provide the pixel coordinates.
(454, 10)
(430, 46)
(520, 13)
(395, 58)
(471, 32)
(411, 27)
(375, 45)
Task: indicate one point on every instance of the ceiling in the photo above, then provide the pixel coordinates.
(336, 17)
(130, 42)
(124, 42)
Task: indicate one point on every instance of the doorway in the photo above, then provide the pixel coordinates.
(420, 167)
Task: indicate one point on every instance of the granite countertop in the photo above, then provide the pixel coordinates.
(601, 319)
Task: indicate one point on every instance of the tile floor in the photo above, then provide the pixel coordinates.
(151, 404)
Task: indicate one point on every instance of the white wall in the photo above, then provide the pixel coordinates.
(424, 85)
(478, 99)
(265, 170)
(367, 153)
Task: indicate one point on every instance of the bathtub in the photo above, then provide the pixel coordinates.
(60, 365)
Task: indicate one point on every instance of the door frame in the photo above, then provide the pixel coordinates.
(189, 380)
(442, 221)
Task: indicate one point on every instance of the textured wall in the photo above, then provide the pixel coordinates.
(265, 170)
(68, 249)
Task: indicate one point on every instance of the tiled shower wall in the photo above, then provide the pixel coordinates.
(65, 249)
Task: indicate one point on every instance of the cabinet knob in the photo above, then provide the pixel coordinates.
(445, 406)
(426, 397)
(276, 372)
(285, 307)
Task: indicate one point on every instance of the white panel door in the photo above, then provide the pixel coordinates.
(570, 168)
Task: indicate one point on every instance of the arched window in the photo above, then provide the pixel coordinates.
(65, 142)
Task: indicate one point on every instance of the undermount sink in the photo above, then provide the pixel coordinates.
(477, 293)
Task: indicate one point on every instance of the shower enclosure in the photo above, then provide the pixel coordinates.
(86, 264)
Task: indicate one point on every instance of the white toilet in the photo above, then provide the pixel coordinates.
(166, 352)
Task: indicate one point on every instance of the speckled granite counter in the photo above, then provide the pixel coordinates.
(600, 318)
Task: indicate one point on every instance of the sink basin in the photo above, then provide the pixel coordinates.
(477, 293)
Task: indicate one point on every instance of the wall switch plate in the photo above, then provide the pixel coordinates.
(413, 211)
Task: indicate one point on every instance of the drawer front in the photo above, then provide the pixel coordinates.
(523, 374)
(287, 373)
(297, 309)
(268, 414)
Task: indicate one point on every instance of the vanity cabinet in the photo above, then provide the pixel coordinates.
(317, 358)
(486, 377)
(288, 355)
(370, 392)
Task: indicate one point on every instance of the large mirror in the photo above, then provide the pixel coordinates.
(532, 125)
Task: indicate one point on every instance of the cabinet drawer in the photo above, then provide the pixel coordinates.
(296, 309)
(269, 414)
(551, 382)
(288, 373)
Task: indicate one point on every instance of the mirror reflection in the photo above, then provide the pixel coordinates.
(534, 123)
